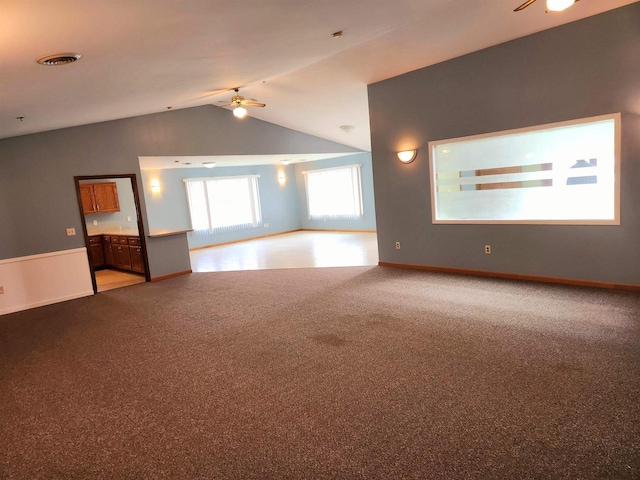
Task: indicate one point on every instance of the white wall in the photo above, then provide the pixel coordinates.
(38, 280)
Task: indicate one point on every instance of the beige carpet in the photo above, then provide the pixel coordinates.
(345, 373)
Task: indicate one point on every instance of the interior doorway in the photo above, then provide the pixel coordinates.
(113, 230)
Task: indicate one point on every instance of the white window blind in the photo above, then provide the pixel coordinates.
(334, 192)
(223, 204)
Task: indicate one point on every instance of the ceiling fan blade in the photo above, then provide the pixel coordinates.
(524, 5)
(252, 103)
(225, 103)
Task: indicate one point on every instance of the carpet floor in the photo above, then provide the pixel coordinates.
(346, 373)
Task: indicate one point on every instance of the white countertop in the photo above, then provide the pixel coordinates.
(157, 232)
(130, 231)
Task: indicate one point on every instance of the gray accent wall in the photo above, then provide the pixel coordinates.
(37, 187)
(578, 70)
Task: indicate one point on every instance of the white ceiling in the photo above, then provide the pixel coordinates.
(145, 55)
(163, 163)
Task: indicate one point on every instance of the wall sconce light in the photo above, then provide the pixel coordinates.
(155, 185)
(407, 156)
(282, 179)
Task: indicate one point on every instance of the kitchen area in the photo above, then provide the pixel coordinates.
(116, 252)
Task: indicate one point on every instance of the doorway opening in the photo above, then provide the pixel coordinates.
(113, 230)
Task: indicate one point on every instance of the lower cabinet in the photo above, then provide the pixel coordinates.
(96, 254)
(137, 265)
(116, 251)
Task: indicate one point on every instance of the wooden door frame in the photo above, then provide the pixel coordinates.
(136, 198)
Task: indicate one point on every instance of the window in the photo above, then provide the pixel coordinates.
(562, 173)
(223, 203)
(334, 192)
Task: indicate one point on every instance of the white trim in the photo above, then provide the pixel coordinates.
(42, 255)
(332, 168)
(202, 179)
(36, 280)
(616, 117)
(49, 301)
(578, 121)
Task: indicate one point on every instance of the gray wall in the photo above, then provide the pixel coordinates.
(37, 191)
(578, 70)
(368, 220)
(169, 208)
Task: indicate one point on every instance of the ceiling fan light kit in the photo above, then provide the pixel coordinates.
(552, 5)
(239, 112)
(239, 102)
(559, 5)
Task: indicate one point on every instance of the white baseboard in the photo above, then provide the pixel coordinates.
(43, 279)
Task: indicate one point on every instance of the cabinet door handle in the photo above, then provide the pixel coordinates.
(98, 207)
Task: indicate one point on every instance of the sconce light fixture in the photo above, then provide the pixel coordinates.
(282, 178)
(155, 185)
(407, 156)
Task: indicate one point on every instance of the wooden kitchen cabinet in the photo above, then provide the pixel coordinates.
(137, 265)
(99, 197)
(125, 257)
(108, 250)
(117, 251)
(96, 252)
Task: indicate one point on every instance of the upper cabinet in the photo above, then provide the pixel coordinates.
(99, 197)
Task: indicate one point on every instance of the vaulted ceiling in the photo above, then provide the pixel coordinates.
(144, 56)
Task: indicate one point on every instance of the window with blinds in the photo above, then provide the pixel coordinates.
(223, 204)
(334, 192)
(563, 173)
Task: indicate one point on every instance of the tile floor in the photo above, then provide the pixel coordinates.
(110, 279)
(303, 249)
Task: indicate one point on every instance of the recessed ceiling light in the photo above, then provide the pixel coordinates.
(186, 163)
(59, 59)
(209, 164)
(337, 34)
(445, 151)
(286, 162)
(347, 128)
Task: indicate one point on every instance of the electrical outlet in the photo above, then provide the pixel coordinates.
(71, 232)
(95, 223)
(1, 290)
(397, 245)
(266, 225)
(487, 249)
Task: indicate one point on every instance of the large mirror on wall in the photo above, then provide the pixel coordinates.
(561, 173)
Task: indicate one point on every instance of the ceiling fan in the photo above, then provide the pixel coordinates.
(552, 5)
(240, 102)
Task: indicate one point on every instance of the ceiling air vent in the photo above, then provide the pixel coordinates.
(59, 59)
